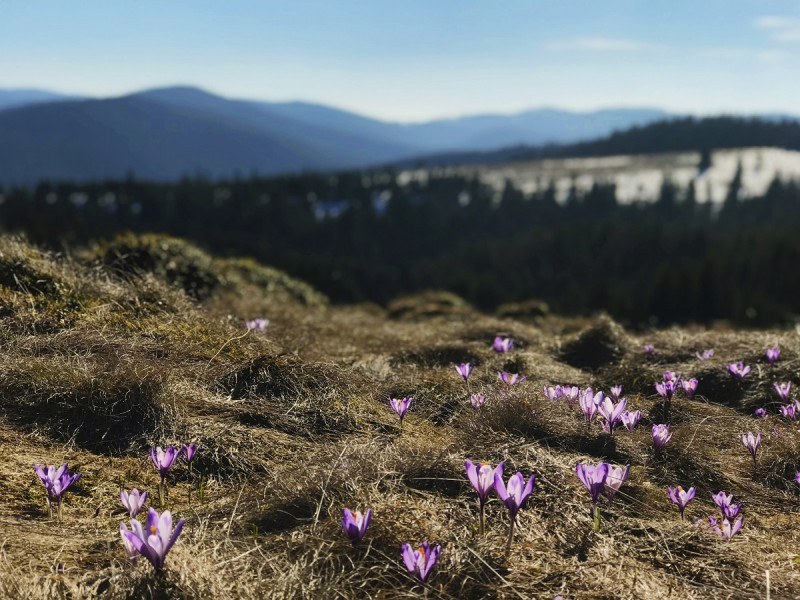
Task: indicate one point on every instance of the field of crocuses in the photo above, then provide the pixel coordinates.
(180, 426)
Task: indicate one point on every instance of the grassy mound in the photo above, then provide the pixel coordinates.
(142, 342)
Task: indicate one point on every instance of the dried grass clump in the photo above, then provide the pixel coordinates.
(433, 303)
(141, 342)
(100, 405)
(197, 273)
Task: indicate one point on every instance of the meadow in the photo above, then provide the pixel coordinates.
(111, 350)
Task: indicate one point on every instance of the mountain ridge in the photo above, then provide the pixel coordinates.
(172, 132)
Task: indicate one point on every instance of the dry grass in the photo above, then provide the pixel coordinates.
(141, 342)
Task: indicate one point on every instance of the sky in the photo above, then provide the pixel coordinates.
(415, 60)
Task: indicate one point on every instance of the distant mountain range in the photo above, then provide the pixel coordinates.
(168, 133)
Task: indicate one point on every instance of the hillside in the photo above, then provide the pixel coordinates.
(25, 97)
(100, 139)
(672, 135)
(141, 341)
(170, 133)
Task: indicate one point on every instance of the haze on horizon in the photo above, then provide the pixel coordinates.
(418, 60)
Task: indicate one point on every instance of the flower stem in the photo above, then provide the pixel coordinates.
(596, 518)
(482, 521)
(510, 535)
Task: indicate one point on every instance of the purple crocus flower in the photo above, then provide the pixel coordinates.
(789, 411)
(760, 413)
(400, 406)
(133, 501)
(772, 355)
(738, 370)
(616, 477)
(666, 389)
(507, 380)
(355, 524)
(56, 481)
(725, 529)
(689, 387)
(133, 554)
(649, 349)
(553, 392)
(630, 419)
(477, 400)
(589, 403)
(797, 478)
(502, 345)
(155, 539)
(661, 435)
(570, 394)
(783, 389)
(163, 459)
(421, 561)
(705, 355)
(671, 376)
(611, 412)
(516, 493)
(681, 497)
(593, 477)
(751, 443)
(189, 451)
(615, 391)
(725, 503)
(483, 480)
(258, 325)
(514, 496)
(464, 369)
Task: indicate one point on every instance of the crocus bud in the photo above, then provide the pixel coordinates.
(464, 369)
(772, 355)
(616, 477)
(400, 406)
(593, 477)
(630, 419)
(502, 345)
(783, 389)
(355, 524)
(133, 501)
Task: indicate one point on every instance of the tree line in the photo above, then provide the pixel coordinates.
(361, 236)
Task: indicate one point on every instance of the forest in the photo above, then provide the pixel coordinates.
(360, 236)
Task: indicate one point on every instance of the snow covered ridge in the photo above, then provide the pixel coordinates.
(637, 177)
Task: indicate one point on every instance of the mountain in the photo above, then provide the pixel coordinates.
(479, 132)
(534, 127)
(167, 133)
(24, 97)
(156, 138)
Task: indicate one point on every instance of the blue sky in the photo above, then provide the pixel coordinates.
(411, 60)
